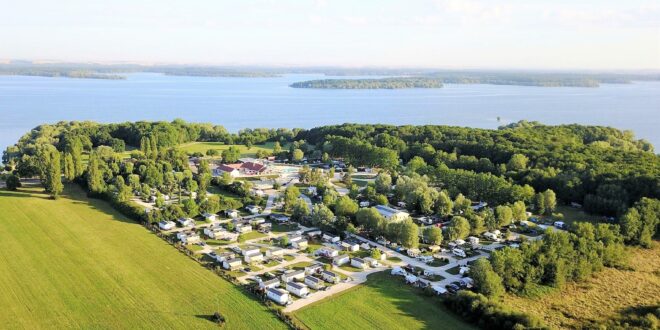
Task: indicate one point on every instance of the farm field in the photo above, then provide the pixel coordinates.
(77, 263)
(603, 297)
(203, 146)
(383, 302)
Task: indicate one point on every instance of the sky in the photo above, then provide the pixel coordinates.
(505, 34)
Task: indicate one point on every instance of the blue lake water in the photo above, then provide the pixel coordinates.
(236, 103)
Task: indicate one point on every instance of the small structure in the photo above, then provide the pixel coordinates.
(559, 224)
(275, 252)
(392, 214)
(270, 284)
(463, 270)
(331, 238)
(251, 258)
(459, 252)
(468, 282)
(313, 269)
(243, 228)
(214, 231)
(329, 276)
(232, 213)
(253, 209)
(209, 216)
(278, 295)
(411, 279)
(313, 282)
(279, 217)
(232, 263)
(327, 252)
(365, 204)
(340, 260)
(313, 233)
(224, 256)
(301, 244)
(371, 261)
(439, 290)
(186, 222)
(298, 289)
(265, 227)
(350, 246)
(358, 263)
(398, 271)
(293, 275)
(166, 225)
(250, 250)
(474, 241)
(257, 221)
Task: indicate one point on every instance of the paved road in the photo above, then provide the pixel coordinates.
(357, 278)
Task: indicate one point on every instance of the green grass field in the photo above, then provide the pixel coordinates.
(76, 263)
(203, 146)
(383, 302)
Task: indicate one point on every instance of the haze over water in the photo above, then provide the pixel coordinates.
(236, 103)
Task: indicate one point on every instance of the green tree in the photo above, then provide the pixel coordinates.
(69, 168)
(539, 203)
(517, 162)
(383, 183)
(486, 281)
(291, 195)
(370, 219)
(345, 206)
(433, 235)
(519, 211)
(504, 215)
(458, 228)
(409, 234)
(376, 254)
(231, 154)
(124, 192)
(12, 182)
(549, 201)
(190, 207)
(300, 210)
(277, 148)
(322, 217)
(297, 155)
(444, 204)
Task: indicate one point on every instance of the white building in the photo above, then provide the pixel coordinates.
(327, 252)
(221, 257)
(314, 282)
(270, 284)
(278, 295)
(209, 216)
(275, 252)
(351, 247)
(166, 225)
(250, 250)
(359, 263)
(186, 222)
(331, 238)
(232, 213)
(301, 244)
(251, 258)
(253, 209)
(298, 289)
(330, 277)
(341, 260)
(232, 263)
(313, 269)
(293, 275)
(392, 214)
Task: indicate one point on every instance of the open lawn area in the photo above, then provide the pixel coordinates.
(203, 146)
(600, 298)
(383, 302)
(77, 263)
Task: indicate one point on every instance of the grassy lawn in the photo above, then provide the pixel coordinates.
(383, 302)
(251, 235)
(203, 146)
(602, 297)
(572, 214)
(300, 265)
(77, 263)
(454, 270)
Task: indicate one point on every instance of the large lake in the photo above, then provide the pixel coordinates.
(236, 103)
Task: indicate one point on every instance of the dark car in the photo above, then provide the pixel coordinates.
(452, 288)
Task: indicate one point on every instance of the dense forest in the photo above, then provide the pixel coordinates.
(604, 169)
(382, 83)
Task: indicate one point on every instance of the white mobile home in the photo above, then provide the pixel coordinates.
(275, 252)
(250, 250)
(329, 276)
(186, 222)
(232, 263)
(313, 269)
(314, 282)
(209, 216)
(349, 246)
(251, 258)
(278, 295)
(301, 244)
(341, 260)
(358, 262)
(166, 225)
(331, 238)
(270, 284)
(298, 289)
(293, 275)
